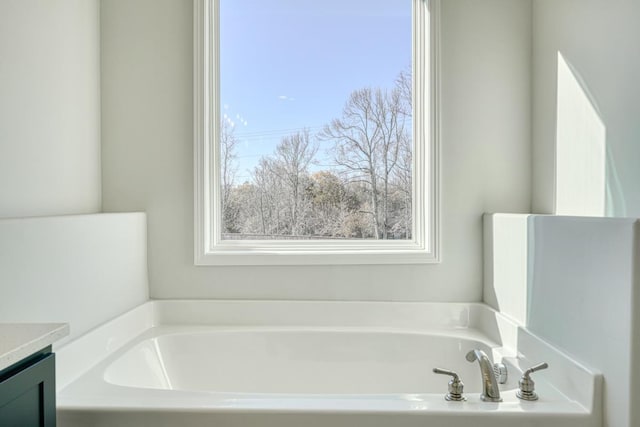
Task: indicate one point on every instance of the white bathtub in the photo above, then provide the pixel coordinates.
(186, 363)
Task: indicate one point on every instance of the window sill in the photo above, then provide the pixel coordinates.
(299, 255)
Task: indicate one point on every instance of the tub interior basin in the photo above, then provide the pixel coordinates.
(297, 361)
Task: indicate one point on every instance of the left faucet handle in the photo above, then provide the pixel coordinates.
(456, 387)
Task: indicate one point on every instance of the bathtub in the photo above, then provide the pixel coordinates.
(276, 363)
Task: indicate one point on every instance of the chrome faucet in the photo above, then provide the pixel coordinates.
(490, 391)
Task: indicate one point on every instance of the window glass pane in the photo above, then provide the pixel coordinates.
(315, 109)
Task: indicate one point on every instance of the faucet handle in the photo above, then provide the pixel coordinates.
(501, 372)
(526, 385)
(446, 372)
(536, 368)
(456, 386)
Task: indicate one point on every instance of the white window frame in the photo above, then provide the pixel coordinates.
(210, 249)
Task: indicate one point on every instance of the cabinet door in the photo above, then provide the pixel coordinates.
(27, 398)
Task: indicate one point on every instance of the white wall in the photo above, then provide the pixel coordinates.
(49, 107)
(77, 269)
(599, 39)
(147, 121)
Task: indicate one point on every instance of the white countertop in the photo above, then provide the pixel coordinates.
(19, 340)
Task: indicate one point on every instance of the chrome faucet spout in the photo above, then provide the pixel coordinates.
(490, 391)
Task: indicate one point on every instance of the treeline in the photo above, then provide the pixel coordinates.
(365, 194)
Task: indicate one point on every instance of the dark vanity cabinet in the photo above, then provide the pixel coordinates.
(28, 392)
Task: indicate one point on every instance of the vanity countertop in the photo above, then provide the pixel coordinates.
(19, 340)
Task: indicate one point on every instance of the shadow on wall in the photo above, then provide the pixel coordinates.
(581, 186)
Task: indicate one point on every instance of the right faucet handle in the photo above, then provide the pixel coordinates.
(527, 385)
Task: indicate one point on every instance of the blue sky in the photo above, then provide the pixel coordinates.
(290, 64)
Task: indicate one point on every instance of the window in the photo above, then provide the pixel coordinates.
(315, 132)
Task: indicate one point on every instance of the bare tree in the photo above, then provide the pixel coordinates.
(404, 84)
(403, 175)
(403, 179)
(228, 170)
(243, 210)
(293, 155)
(367, 146)
(269, 197)
(356, 139)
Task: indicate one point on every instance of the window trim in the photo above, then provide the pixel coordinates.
(424, 248)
